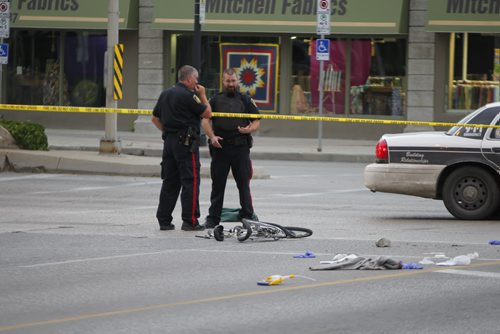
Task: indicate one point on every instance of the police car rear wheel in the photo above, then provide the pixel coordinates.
(471, 193)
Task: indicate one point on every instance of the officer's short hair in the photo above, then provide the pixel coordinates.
(229, 71)
(185, 72)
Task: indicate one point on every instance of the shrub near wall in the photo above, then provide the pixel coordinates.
(28, 136)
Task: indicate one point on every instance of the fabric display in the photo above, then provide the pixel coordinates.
(335, 68)
(474, 94)
(378, 96)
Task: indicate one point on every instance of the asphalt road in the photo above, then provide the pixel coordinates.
(83, 254)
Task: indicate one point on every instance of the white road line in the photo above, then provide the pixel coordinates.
(157, 253)
(79, 189)
(321, 193)
(230, 251)
(469, 273)
(297, 175)
(24, 177)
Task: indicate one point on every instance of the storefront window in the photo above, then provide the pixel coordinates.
(374, 71)
(256, 60)
(474, 71)
(35, 63)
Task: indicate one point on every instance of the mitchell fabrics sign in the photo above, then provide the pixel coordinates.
(61, 14)
(292, 7)
(286, 16)
(464, 16)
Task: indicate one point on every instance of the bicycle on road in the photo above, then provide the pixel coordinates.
(254, 230)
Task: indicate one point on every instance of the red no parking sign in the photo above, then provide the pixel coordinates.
(324, 5)
(323, 17)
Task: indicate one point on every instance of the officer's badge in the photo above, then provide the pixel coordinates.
(253, 102)
(197, 99)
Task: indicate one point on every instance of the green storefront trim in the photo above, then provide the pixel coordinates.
(348, 17)
(70, 14)
(464, 16)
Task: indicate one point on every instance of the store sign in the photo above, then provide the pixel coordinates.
(287, 16)
(4, 19)
(71, 14)
(464, 16)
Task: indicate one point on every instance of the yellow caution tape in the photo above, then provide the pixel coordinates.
(350, 120)
(26, 107)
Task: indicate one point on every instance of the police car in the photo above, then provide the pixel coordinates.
(460, 166)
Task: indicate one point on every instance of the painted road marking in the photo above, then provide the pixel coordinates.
(399, 274)
(230, 251)
(81, 189)
(470, 273)
(321, 193)
(34, 176)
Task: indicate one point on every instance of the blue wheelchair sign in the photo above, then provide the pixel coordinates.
(322, 49)
(4, 53)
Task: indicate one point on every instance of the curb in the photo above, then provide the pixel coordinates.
(255, 155)
(85, 162)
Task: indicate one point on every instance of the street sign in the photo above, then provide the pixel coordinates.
(4, 19)
(4, 53)
(323, 49)
(202, 11)
(323, 17)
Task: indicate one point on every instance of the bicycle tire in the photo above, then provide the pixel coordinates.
(219, 233)
(286, 233)
(244, 236)
(298, 232)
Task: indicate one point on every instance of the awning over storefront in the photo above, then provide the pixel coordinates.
(70, 14)
(464, 16)
(285, 16)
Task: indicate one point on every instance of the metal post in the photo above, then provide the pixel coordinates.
(465, 55)
(451, 70)
(197, 37)
(321, 93)
(110, 143)
(1, 78)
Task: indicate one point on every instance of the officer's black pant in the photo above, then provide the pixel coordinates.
(236, 158)
(180, 169)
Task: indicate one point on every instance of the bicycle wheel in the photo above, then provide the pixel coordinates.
(286, 232)
(219, 233)
(244, 232)
(298, 232)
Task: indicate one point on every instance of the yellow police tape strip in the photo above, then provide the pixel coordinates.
(237, 115)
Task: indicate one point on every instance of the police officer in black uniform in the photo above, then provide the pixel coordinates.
(230, 141)
(177, 114)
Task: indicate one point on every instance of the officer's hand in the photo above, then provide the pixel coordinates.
(199, 89)
(245, 130)
(215, 141)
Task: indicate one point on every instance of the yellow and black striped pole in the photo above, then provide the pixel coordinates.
(118, 72)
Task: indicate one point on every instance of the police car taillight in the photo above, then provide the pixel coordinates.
(381, 151)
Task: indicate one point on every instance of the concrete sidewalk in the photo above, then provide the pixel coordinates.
(76, 151)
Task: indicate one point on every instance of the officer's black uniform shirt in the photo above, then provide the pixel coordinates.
(227, 127)
(179, 108)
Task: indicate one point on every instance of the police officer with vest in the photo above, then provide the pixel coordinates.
(177, 115)
(230, 141)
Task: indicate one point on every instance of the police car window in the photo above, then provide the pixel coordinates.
(482, 116)
(495, 134)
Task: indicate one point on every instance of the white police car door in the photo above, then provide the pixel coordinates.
(491, 143)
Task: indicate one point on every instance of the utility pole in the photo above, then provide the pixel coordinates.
(197, 37)
(110, 143)
(322, 54)
(197, 49)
